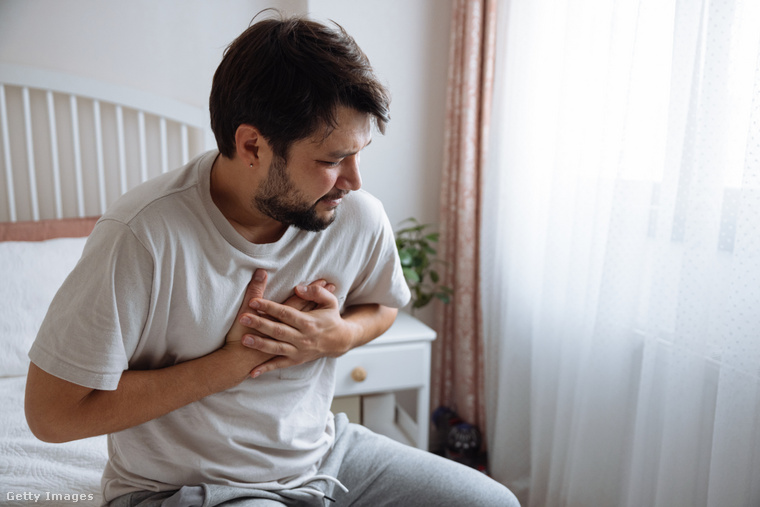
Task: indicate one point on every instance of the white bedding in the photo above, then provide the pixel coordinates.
(31, 467)
(31, 273)
(61, 474)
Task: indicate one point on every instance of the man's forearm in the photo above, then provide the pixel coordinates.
(369, 321)
(59, 411)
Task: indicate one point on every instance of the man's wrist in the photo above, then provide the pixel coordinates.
(235, 362)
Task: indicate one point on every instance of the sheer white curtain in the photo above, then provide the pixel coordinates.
(621, 253)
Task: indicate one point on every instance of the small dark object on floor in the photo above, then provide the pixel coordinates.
(457, 440)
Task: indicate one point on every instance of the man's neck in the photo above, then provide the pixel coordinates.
(232, 190)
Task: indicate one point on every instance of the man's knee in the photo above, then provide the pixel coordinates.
(490, 493)
(506, 498)
(466, 486)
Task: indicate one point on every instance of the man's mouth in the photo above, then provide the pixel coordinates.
(333, 200)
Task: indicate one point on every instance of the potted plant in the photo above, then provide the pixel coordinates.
(415, 249)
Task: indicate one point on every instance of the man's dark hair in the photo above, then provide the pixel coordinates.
(286, 77)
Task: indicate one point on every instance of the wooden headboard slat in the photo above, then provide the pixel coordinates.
(47, 229)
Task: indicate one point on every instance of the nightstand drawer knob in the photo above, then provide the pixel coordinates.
(359, 374)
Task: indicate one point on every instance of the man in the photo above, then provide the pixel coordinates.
(210, 401)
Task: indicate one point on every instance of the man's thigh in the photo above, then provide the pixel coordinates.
(379, 471)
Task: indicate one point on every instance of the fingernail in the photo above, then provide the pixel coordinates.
(254, 304)
(248, 341)
(302, 289)
(255, 374)
(246, 321)
(259, 275)
(331, 288)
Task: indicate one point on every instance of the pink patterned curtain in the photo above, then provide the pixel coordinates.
(458, 352)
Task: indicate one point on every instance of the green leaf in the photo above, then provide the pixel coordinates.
(434, 276)
(411, 275)
(409, 230)
(406, 256)
(417, 261)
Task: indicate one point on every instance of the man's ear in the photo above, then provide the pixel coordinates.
(248, 141)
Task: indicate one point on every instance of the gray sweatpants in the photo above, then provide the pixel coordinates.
(376, 470)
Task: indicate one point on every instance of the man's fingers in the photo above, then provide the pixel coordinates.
(284, 326)
(301, 304)
(269, 346)
(275, 363)
(270, 312)
(255, 289)
(296, 301)
(322, 296)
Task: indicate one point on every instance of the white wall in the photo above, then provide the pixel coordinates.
(169, 47)
(172, 48)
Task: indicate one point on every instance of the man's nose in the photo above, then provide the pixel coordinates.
(350, 178)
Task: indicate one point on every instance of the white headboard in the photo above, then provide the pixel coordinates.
(69, 146)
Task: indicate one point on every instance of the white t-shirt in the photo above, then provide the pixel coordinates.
(160, 281)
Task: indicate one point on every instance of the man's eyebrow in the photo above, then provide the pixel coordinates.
(343, 154)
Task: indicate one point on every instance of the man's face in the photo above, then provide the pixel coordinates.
(306, 190)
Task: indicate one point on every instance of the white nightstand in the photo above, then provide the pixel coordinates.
(388, 379)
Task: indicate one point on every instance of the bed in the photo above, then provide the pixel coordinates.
(69, 147)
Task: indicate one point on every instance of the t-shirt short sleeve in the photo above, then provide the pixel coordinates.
(95, 320)
(381, 280)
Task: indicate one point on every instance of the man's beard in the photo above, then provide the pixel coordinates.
(278, 198)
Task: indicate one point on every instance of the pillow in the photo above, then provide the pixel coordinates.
(31, 273)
